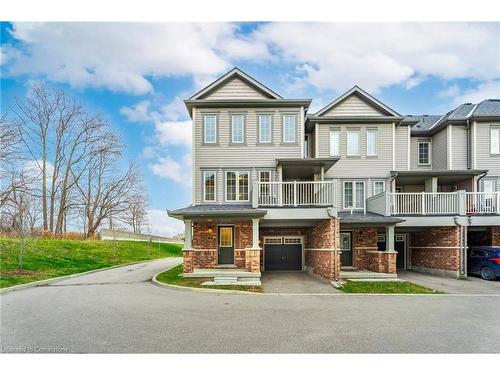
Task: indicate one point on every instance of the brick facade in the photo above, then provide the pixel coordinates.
(495, 236)
(436, 248)
(364, 241)
(381, 261)
(325, 235)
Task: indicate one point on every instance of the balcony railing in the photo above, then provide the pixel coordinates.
(482, 203)
(294, 193)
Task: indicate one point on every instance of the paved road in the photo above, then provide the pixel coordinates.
(120, 311)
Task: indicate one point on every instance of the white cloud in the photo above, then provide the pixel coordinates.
(137, 113)
(485, 90)
(449, 92)
(174, 133)
(176, 170)
(163, 225)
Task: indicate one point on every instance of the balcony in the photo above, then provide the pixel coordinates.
(293, 194)
(424, 203)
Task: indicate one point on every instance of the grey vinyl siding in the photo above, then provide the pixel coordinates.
(459, 147)
(251, 156)
(440, 150)
(414, 154)
(353, 106)
(402, 148)
(235, 89)
(485, 160)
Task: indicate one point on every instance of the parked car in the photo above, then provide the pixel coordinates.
(484, 261)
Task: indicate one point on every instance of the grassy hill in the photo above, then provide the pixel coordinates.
(46, 258)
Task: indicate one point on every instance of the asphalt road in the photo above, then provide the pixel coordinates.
(121, 311)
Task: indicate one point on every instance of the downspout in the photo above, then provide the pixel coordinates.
(469, 146)
(462, 258)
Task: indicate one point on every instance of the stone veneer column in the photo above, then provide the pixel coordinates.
(322, 249)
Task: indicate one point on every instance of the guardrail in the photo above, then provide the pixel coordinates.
(482, 203)
(294, 193)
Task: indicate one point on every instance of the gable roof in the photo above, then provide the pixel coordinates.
(356, 90)
(235, 73)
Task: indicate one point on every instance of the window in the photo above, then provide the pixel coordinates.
(237, 129)
(352, 143)
(488, 186)
(334, 142)
(371, 142)
(354, 194)
(265, 129)
(288, 128)
(424, 153)
(209, 186)
(378, 187)
(210, 129)
(264, 176)
(236, 186)
(495, 140)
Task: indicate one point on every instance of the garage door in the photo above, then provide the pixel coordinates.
(283, 256)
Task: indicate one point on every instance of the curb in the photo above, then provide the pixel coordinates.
(65, 277)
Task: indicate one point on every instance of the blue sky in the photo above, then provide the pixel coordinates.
(136, 75)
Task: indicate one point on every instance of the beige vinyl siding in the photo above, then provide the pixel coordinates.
(402, 148)
(250, 156)
(459, 147)
(485, 160)
(414, 154)
(352, 106)
(236, 89)
(440, 150)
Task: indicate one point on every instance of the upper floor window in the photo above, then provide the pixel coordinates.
(265, 128)
(371, 142)
(495, 140)
(334, 142)
(237, 129)
(424, 149)
(209, 186)
(353, 143)
(210, 129)
(236, 186)
(378, 187)
(354, 194)
(288, 128)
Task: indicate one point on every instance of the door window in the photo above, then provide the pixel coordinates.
(226, 237)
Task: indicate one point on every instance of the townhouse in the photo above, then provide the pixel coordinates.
(354, 187)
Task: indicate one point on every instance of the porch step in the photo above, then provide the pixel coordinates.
(224, 280)
(366, 275)
(222, 272)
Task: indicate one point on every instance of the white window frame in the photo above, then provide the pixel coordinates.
(333, 141)
(260, 173)
(270, 128)
(495, 129)
(358, 133)
(294, 128)
(368, 131)
(205, 186)
(205, 116)
(428, 153)
(354, 200)
(234, 115)
(237, 186)
(377, 182)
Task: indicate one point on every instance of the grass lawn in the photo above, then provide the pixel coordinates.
(174, 276)
(402, 287)
(47, 258)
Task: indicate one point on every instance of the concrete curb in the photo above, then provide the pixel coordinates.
(65, 277)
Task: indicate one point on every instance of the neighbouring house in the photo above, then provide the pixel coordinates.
(355, 186)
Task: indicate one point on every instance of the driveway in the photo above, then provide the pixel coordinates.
(473, 284)
(295, 282)
(119, 311)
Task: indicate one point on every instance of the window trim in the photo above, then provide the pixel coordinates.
(205, 115)
(270, 177)
(259, 137)
(358, 132)
(492, 129)
(337, 131)
(243, 140)
(237, 185)
(428, 154)
(205, 186)
(372, 130)
(294, 128)
(354, 182)
(375, 182)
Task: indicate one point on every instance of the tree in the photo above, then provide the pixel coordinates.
(135, 214)
(9, 141)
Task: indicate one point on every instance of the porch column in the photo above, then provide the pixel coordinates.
(389, 238)
(188, 242)
(255, 233)
(431, 185)
(322, 173)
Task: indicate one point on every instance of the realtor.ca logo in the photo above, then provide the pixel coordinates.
(35, 349)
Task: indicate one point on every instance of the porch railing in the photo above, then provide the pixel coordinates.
(482, 203)
(295, 193)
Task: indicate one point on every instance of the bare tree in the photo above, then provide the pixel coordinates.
(135, 214)
(9, 141)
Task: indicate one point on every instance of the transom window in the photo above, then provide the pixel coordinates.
(209, 178)
(378, 187)
(236, 186)
(353, 143)
(495, 140)
(354, 194)
(237, 128)
(334, 142)
(424, 153)
(288, 128)
(265, 128)
(371, 142)
(210, 128)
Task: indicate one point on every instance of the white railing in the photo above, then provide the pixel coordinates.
(424, 203)
(296, 193)
(482, 203)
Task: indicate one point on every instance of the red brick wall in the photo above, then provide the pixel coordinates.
(381, 261)
(436, 248)
(194, 259)
(325, 263)
(495, 236)
(204, 235)
(364, 240)
(324, 235)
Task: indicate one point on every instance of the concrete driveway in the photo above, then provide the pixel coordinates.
(295, 282)
(121, 311)
(473, 284)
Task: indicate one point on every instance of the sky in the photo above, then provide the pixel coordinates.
(138, 74)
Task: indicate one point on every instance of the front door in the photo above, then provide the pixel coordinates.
(225, 253)
(346, 249)
(400, 247)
